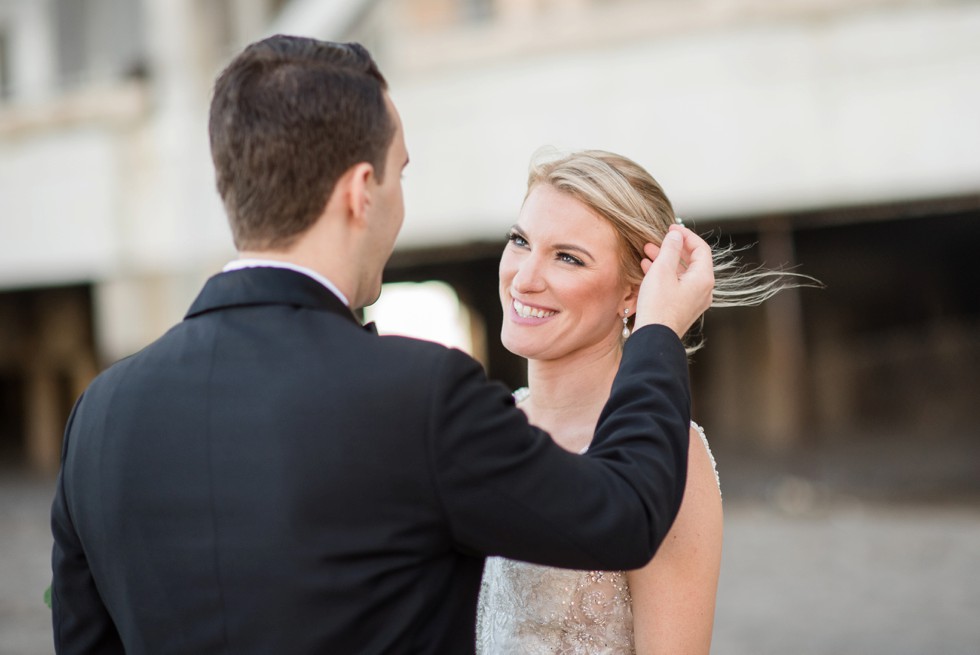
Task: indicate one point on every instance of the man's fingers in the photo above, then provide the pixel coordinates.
(678, 280)
(669, 257)
(681, 250)
(697, 253)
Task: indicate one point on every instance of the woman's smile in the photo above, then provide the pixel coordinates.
(531, 314)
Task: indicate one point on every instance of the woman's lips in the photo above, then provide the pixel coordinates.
(530, 315)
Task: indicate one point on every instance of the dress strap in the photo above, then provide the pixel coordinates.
(704, 440)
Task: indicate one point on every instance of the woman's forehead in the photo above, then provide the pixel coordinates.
(555, 214)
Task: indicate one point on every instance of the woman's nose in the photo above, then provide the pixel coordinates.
(529, 277)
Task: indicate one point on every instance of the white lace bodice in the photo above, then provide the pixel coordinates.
(539, 610)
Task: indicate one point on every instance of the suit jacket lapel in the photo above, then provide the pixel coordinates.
(266, 286)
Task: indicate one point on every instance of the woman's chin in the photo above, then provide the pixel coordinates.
(525, 348)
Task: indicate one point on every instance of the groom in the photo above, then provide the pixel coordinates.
(270, 477)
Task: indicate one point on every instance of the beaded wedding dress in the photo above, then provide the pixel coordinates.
(528, 609)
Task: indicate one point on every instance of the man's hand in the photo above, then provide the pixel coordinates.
(678, 280)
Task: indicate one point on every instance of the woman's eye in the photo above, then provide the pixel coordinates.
(569, 259)
(517, 240)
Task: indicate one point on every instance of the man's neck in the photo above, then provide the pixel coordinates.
(333, 280)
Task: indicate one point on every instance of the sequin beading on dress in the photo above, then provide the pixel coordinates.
(539, 610)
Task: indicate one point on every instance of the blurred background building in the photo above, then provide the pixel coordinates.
(839, 136)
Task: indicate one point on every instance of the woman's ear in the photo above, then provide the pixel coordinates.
(629, 300)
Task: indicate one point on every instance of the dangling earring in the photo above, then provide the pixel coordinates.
(626, 327)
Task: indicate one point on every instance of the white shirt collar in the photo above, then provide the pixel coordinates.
(239, 264)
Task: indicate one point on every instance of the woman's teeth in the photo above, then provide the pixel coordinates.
(529, 312)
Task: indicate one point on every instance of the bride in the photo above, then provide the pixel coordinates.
(568, 282)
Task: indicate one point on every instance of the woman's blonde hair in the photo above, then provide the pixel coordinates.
(630, 199)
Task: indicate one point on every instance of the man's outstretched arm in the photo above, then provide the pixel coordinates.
(510, 490)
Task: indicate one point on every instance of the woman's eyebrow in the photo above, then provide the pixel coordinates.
(572, 246)
(515, 228)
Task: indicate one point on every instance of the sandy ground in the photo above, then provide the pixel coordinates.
(850, 579)
(803, 574)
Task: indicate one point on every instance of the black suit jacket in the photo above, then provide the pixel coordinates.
(269, 477)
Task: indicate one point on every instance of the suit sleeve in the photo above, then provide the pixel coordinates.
(509, 490)
(81, 622)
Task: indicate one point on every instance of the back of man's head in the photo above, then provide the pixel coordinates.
(289, 116)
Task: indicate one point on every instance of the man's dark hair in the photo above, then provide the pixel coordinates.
(289, 116)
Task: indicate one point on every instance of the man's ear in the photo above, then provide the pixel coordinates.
(358, 190)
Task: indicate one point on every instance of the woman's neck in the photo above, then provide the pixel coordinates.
(568, 394)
